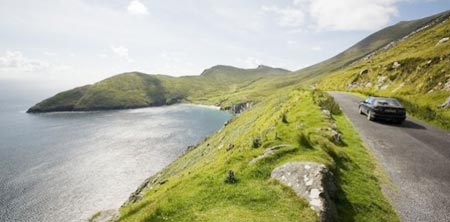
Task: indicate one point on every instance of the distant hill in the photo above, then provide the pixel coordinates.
(135, 89)
(368, 45)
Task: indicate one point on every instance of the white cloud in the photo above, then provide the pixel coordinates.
(122, 52)
(16, 61)
(287, 17)
(137, 8)
(292, 42)
(342, 15)
(316, 48)
(350, 15)
(249, 62)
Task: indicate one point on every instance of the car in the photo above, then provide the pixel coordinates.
(383, 108)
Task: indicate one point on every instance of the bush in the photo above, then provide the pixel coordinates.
(256, 143)
(231, 178)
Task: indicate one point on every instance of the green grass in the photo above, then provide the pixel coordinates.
(419, 82)
(195, 189)
(133, 90)
(95, 216)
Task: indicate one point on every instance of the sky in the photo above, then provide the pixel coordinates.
(67, 43)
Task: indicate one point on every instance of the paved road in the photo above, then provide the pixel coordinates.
(416, 157)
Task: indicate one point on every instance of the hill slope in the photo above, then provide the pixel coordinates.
(133, 90)
(369, 45)
(416, 70)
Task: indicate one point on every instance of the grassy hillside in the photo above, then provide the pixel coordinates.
(132, 90)
(367, 46)
(415, 70)
(193, 189)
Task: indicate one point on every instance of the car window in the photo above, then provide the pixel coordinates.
(387, 102)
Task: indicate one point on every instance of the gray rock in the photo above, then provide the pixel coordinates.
(267, 152)
(396, 65)
(363, 72)
(336, 137)
(447, 85)
(443, 40)
(399, 87)
(327, 113)
(239, 107)
(230, 147)
(446, 104)
(312, 181)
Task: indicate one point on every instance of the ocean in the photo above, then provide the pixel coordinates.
(67, 166)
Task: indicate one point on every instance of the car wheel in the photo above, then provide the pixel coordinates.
(369, 116)
(360, 110)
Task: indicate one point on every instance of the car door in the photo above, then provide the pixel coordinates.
(365, 106)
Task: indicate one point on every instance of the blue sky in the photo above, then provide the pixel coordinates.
(72, 42)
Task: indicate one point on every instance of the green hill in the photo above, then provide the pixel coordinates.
(415, 70)
(133, 90)
(365, 47)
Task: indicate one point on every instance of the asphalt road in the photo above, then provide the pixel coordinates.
(415, 155)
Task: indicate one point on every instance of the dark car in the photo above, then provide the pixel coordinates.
(381, 108)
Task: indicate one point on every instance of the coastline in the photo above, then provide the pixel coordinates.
(110, 215)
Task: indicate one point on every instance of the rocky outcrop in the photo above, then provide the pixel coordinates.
(267, 153)
(446, 104)
(312, 181)
(238, 108)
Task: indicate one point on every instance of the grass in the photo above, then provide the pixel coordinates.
(419, 82)
(195, 189)
(133, 90)
(94, 217)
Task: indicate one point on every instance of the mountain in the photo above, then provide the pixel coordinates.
(372, 43)
(230, 175)
(415, 70)
(135, 89)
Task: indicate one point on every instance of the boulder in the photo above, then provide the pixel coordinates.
(336, 137)
(443, 40)
(313, 182)
(327, 113)
(363, 72)
(230, 147)
(396, 65)
(446, 104)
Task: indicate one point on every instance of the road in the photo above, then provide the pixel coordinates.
(415, 155)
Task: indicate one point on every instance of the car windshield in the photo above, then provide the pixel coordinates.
(387, 102)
